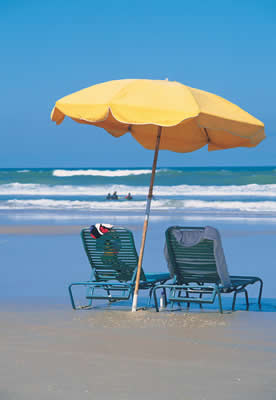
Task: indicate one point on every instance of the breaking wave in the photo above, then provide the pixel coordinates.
(31, 189)
(258, 207)
(96, 172)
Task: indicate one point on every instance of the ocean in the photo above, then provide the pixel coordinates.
(43, 210)
(66, 194)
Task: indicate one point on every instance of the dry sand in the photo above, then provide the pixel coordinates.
(115, 354)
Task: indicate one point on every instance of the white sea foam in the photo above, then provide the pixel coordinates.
(258, 207)
(49, 204)
(96, 172)
(130, 218)
(30, 189)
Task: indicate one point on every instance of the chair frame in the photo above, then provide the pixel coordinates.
(106, 279)
(199, 284)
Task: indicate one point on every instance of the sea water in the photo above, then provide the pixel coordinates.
(240, 202)
(62, 194)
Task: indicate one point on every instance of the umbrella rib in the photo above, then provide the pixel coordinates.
(234, 133)
(206, 133)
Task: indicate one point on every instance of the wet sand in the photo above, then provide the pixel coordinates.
(56, 353)
(45, 229)
(49, 351)
(40, 229)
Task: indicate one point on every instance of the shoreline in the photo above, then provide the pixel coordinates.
(72, 229)
(29, 229)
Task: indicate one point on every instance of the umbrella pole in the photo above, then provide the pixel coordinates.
(146, 221)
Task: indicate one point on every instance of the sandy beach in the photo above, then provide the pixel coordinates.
(49, 351)
(55, 353)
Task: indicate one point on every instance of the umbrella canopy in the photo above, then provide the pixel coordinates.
(191, 117)
(161, 115)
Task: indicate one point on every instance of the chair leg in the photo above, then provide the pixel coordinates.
(71, 297)
(91, 293)
(155, 300)
(260, 293)
(109, 295)
(73, 301)
(234, 301)
(179, 294)
(172, 294)
(150, 295)
(165, 297)
(246, 299)
(200, 296)
(188, 303)
(220, 303)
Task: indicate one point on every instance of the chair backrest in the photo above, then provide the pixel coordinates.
(113, 256)
(192, 264)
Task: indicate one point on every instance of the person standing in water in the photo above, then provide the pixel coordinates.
(129, 197)
(114, 196)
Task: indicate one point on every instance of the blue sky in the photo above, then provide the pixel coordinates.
(52, 48)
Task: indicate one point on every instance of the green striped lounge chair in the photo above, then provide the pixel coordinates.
(196, 278)
(113, 259)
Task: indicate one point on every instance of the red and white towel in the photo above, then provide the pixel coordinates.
(97, 230)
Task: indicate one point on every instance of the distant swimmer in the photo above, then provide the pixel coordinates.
(114, 196)
(108, 197)
(129, 197)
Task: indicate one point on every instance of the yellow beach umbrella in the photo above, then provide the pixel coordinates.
(161, 115)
